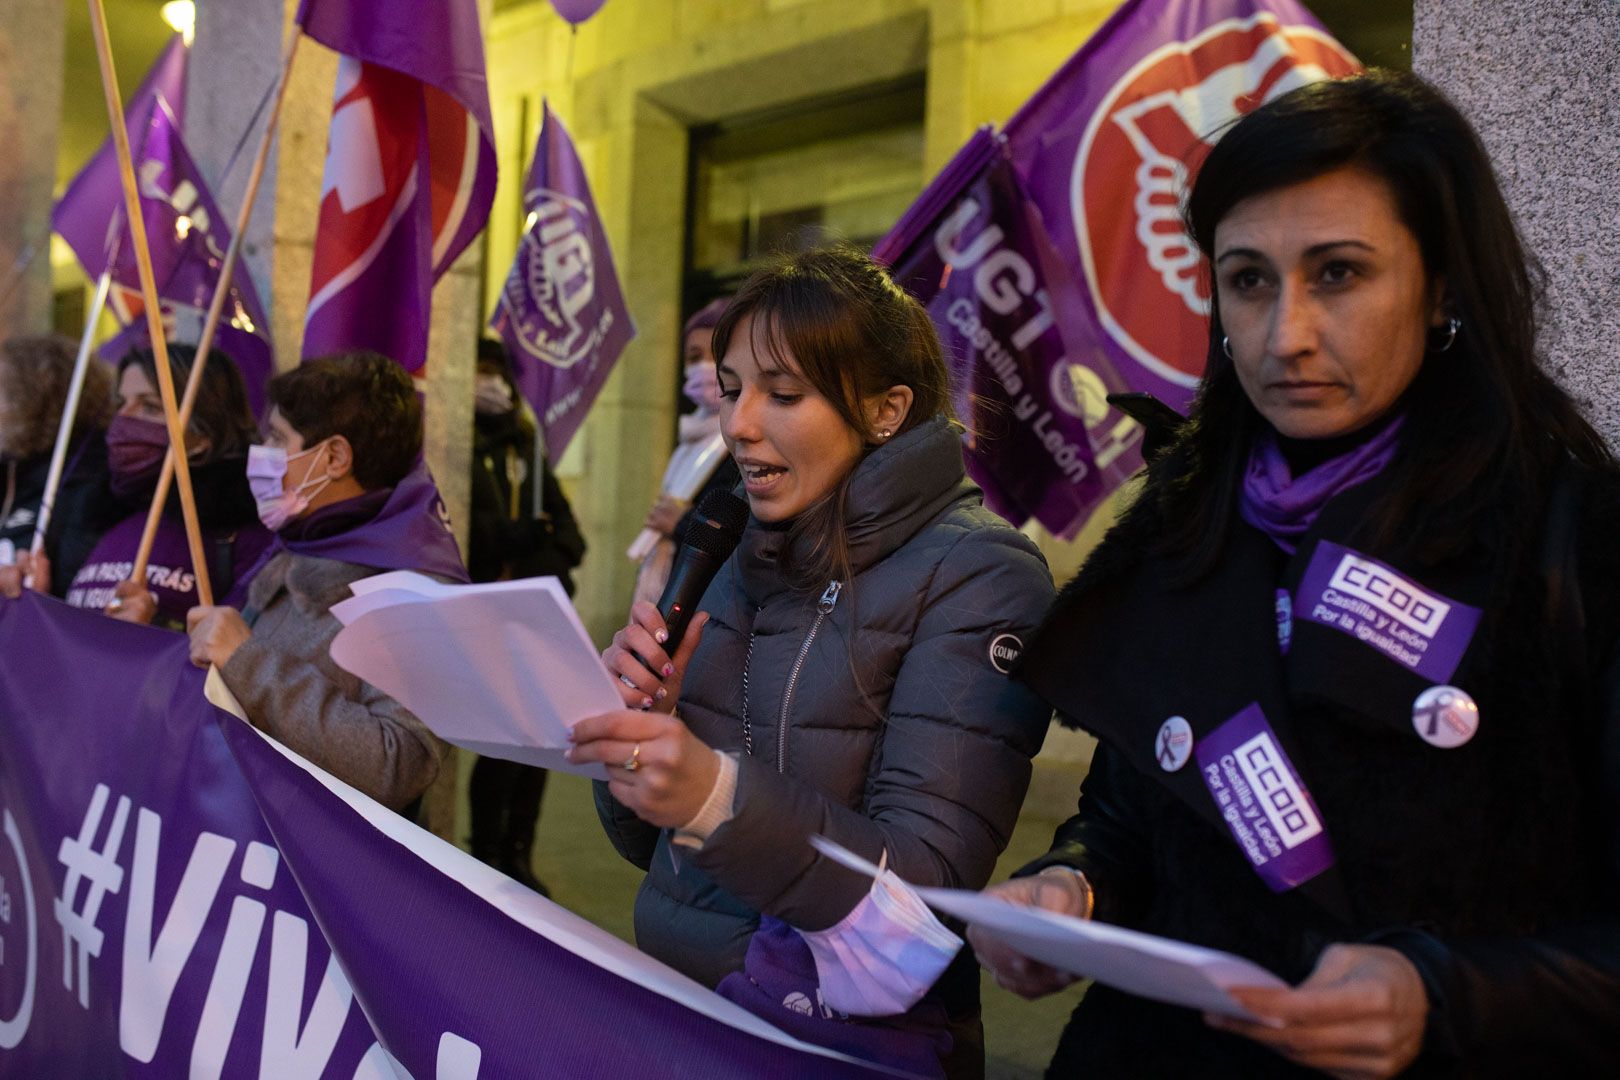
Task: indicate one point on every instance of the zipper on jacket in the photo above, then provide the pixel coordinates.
(824, 606)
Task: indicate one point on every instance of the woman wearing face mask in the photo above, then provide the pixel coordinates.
(842, 678)
(34, 376)
(217, 441)
(1351, 656)
(519, 529)
(699, 464)
(339, 478)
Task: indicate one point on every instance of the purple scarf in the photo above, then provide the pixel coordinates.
(778, 982)
(409, 532)
(1283, 506)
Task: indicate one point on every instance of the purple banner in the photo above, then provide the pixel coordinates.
(1386, 611)
(561, 312)
(147, 924)
(975, 255)
(1264, 801)
(410, 169)
(181, 896)
(1107, 147)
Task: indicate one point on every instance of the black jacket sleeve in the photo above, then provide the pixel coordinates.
(1104, 840)
(1551, 1000)
(631, 837)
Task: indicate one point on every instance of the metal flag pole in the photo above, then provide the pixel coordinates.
(70, 409)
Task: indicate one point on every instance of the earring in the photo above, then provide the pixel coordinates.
(1453, 325)
(885, 433)
(1226, 347)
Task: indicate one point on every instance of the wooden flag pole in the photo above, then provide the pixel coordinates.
(210, 327)
(149, 294)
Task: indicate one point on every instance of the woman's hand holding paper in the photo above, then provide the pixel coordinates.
(656, 766)
(1360, 1015)
(1055, 889)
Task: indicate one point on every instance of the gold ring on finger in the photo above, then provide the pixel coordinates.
(633, 762)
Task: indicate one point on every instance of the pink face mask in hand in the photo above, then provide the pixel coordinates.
(266, 472)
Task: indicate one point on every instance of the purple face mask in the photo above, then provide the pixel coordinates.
(135, 450)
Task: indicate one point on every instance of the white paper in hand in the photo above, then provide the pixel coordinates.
(504, 669)
(1142, 964)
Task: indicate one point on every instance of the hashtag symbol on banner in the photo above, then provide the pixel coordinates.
(101, 872)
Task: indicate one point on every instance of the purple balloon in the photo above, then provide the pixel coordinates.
(577, 11)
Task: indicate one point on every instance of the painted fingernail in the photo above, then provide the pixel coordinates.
(661, 637)
(568, 754)
(646, 703)
(669, 669)
(662, 694)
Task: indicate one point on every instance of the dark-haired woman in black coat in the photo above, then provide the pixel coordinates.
(1351, 657)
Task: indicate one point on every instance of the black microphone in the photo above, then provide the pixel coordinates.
(712, 534)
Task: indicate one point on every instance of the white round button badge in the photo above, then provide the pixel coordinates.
(1174, 744)
(1445, 716)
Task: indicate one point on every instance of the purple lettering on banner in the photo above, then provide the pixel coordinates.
(1263, 800)
(1386, 611)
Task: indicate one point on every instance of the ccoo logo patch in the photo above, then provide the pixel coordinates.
(1005, 651)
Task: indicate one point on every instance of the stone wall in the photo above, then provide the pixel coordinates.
(1540, 79)
(31, 43)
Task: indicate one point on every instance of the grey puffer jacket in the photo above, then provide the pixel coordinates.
(876, 713)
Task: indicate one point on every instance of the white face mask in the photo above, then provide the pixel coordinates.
(267, 471)
(882, 957)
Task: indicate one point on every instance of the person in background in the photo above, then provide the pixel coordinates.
(844, 676)
(698, 430)
(340, 481)
(35, 373)
(1353, 654)
(217, 441)
(522, 526)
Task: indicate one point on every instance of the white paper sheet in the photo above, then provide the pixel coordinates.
(1142, 964)
(689, 468)
(504, 669)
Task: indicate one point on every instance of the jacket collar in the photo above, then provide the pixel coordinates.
(895, 491)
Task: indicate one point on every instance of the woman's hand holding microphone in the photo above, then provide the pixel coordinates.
(656, 767)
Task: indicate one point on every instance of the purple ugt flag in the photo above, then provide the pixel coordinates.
(1107, 148)
(561, 312)
(188, 236)
(84, 216)
(973, 251)
(410, 169)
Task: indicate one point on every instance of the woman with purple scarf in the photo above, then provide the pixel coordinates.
(340, 481)
(1351, 656)
(217, 439)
